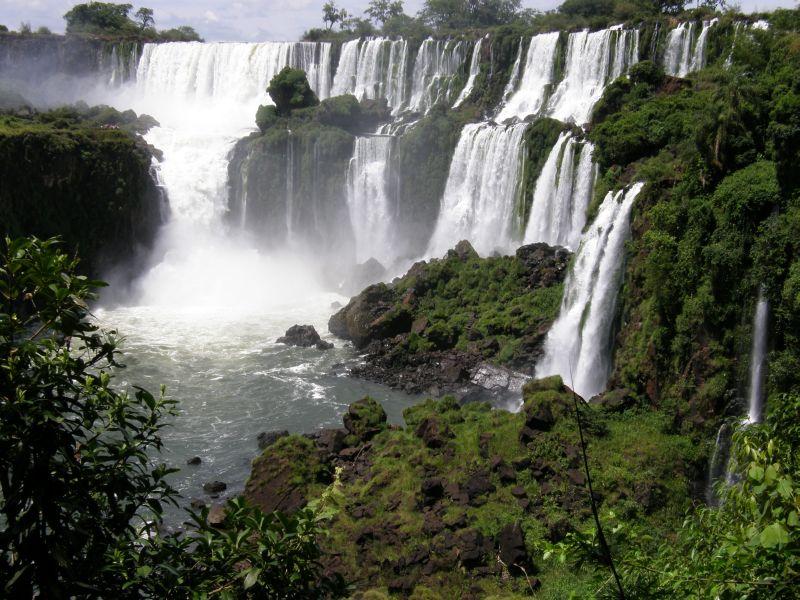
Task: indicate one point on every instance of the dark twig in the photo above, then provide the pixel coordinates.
(600, 536)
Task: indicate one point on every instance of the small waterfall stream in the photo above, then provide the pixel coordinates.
(474, 70)
(685, 54)
(578, 345)
(368, 199)
(537, 75)
(481, 190)
(563, 191)
(758, 361)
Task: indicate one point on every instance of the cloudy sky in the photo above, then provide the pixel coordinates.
(243, 19)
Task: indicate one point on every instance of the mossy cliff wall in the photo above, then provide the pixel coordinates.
(92, 187)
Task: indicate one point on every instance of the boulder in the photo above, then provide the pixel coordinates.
(364, 418)
(362, 275)
(546, 401)
(472, 547)
(215, 487)
(194, 461)
(372, 315)
(433, 433)
(304, 336)
(267, 438)
(216, 515)
(511, 542)
(543, 265)
(463, 251)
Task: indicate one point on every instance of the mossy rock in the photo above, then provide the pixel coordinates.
(286, 475)
(545, 402)
(364, 419)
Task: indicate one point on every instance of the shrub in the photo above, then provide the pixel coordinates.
(290, 89)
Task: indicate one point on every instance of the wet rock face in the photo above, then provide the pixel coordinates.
(304, 336)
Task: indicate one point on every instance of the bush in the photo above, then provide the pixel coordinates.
(290, 90)
(266, 117)
(340, 111)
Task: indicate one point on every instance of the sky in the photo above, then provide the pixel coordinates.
(246, 20)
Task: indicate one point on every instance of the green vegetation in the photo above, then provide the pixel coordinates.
(107, 19)
(290, 90)
(87, 179)
(426, 510)
(81, 501)
(713, 224)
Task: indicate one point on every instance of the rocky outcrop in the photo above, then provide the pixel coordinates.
(304, 336)
(90, 185)
(460, 325)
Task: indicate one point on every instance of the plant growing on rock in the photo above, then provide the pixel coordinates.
(290, 90)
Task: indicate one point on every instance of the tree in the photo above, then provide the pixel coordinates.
(290, 90)
(25, 27)
(330, 14)
(80, 496)
(454, 14)
(75, 471)
(99, 17)
(184, 33)
(381, 11)
(44, 30)
(145, 17)
(587, 8)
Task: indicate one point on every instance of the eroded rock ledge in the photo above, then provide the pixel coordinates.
(450, 324)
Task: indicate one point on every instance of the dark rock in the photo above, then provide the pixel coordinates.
(363, 512)
(216, 515)
(544, 265)
(506, 473)
(433, 433)
(472, 547)
(615, 401)
(521, 464)
(511, 542)
(194, 461)
(518, 492)
(478, 484)
(576, 477)
(527, 435)
(420, 324)
(323, 345)
(484, 440)
(403, 585)
(546, 400)
(197, 503)
(331, 441)
(432, 490)
(463, 251)
(215, 487)
(371, 316)
(304, 336)
(364, 419)
(432, 524)
(267, 438)
(348, 454)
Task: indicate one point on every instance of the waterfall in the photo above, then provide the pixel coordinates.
(578, 345)
(699, 54)
(593, 60)
(235, 71)
(373, 68)
(562, 194)
(758, 360)
(368, 199)
(513, 79)
(481, 189)
(474, 70)
(683, 54)
(436, 64)
(537, 76)
(718, 465)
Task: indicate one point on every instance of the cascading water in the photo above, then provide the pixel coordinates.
(205, 317)
(373, 68)
(537, 76)
(481, 190)
(578, 344)
(684, 54)
(368, 199)
(593, 60)
(436, 63)
(474, 70)
(513, 80)
(758, 361)
(562, 194)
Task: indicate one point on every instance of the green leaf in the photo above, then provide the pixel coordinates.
(252, 578)
(756, 473)
(774, 535)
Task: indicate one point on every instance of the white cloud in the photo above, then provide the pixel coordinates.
(211, 16)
